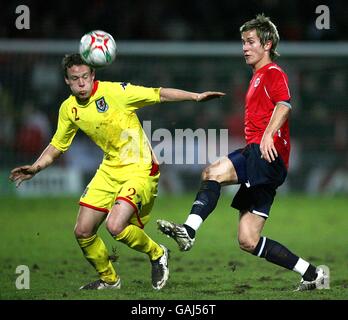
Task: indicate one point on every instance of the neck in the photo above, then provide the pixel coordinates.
(83, 102)
(261, 63)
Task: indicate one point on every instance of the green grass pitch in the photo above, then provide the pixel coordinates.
(39, 233)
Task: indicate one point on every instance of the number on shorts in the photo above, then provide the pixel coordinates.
(132, 193)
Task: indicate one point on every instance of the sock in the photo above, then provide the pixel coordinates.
(310, 274)
(97, 255)
(205, 202)
(305, 269)
(137, 239)
(193, 222)
(276, 253)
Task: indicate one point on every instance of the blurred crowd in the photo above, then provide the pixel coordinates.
(198, 20)
(32, 86)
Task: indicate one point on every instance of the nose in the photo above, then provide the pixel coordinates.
(245, 47)
(81, 82)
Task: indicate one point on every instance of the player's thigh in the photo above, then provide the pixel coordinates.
(88, 221)
(222, 171)
(139, 192)
(95, 203)
(101, 192)
(119, 217)
(250, 224)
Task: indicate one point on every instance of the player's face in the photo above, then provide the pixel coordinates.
(256, 55)
(80, 80)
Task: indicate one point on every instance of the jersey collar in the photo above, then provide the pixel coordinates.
(266, 66)
(95, 87)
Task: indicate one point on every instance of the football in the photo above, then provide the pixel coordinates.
(98, 48)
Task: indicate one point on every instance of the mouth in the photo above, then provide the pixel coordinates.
(248, 58)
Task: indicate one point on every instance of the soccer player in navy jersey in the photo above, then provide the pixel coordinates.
(260, 167)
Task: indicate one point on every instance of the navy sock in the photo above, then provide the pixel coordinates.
(205, 202)
(191, 232)
(206, 199)
(310, 274)
(276, 253)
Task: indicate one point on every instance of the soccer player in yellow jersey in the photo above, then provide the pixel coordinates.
(124, 188)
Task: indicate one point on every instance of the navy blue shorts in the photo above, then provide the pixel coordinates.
(259, 180)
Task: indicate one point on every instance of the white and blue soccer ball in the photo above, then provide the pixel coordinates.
(98, 48)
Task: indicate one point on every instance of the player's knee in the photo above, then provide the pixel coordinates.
(247, 243)
(209, 174)
(114, 228)
(81, 232)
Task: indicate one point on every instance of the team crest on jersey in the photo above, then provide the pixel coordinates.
(102, 106)
(257, 82)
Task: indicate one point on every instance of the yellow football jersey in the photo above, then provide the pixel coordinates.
(109, 119)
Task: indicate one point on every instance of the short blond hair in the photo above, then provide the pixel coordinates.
(265, 30)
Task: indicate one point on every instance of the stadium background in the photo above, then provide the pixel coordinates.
(32, 85)
(192, 45)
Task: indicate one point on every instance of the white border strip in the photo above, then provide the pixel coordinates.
(260, 213)
(262, 246)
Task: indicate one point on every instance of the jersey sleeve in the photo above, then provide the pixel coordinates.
(138, 96)
(277, 86)
(65, 132)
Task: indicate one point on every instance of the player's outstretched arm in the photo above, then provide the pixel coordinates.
(22, 173)
(172, 95)
(208, 95)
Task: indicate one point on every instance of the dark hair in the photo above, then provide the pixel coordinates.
(265, 30)
(73, 59)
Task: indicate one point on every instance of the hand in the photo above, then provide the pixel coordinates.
(267, 148)
(208, 95)
(18, 175)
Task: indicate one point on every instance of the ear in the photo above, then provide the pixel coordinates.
(93, 74)
(66, 80)
(268, 45)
